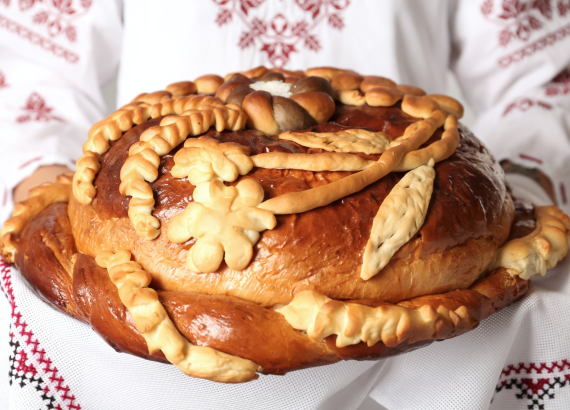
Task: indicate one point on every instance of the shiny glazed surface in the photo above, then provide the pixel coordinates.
(469, 217)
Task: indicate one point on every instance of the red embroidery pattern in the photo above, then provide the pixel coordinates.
(525, 104)
(29, 362)
(37, 110)
(519, 20)
(535, 390)
(3, 83)
(279, 37)
(530, 158)
(58, 15)
(540, 368)
(36, 39)
(532, 48)
(560, 85)
(563, 7)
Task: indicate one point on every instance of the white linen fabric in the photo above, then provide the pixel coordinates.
(516, 358)
(511, 59)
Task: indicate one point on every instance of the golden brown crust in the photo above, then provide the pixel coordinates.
(374, 81)
(38, 199)
(259, 108)
(47, 260)
(154, 324)
(319, 105)
(208, 84)
(181, 88)
(470, 171)
(427, 285)
(540, 250)
(242, 328)
(308, 103)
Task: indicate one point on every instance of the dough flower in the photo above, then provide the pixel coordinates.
(224, 220)
(205, 159)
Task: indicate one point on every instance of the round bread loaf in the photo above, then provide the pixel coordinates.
(469, 218)
(276, 220)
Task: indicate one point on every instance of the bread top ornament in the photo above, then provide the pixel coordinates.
(274, 220)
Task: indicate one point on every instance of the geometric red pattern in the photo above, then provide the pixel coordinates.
(37, 110)
(30, 364)
(57, 15)
(524, 104)
(536, 368)
(536, 390)
(279, 36)
(36, 159)
(519, 20)
(538, 45)
(37, 39)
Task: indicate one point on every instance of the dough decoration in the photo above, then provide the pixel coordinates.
(352, 323)
(225, 220)
(204, 159)
(352, 140)
(274, 103)
(153, 323)
(297, 202)
(439, 150)
(533, 254)
(39, 199)
(328, 161)
(142, 164)
(400, 217)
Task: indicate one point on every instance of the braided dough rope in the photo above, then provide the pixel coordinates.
(439, 150)
(152, 321)
(525, 257)
(142, 108)
(39, 198)
(488, 294)
(359, 140)
(297, 202)
(320, 317)
(535, 253)
(144, 157)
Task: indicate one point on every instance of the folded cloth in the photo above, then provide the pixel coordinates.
(56, 362)
(516, 358)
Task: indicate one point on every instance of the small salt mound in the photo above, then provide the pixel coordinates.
(276, 88)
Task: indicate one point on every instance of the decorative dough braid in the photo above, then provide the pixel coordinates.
(111, 128)
(533, 254)
(321, 317)
(152, 321)
(415, 135)
(39, 199)
(142, 164)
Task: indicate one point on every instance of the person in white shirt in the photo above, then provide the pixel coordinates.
(511, 58)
